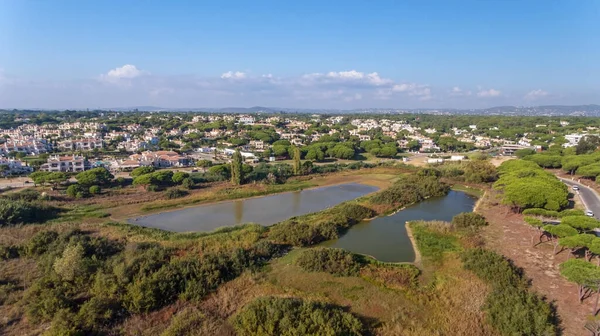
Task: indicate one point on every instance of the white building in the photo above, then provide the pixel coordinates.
(573, 139)
(72, 163)
(247, 120)
(15, 167)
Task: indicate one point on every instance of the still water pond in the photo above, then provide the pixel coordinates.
(266, 210)
(385, 238)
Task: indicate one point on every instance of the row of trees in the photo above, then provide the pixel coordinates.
(574, 233)
(525, 185)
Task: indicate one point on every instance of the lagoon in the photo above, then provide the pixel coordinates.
(265, 210)
(386, 239)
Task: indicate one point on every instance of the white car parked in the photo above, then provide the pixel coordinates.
(589, 213)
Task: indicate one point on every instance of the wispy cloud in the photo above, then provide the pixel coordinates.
(458, 92)
(489, 93)
(233, 75)
(130, 85)
(536, 94)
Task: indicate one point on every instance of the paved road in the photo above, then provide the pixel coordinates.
(590, 198)
(15, 182)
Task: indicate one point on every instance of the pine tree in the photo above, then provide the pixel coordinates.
(236, 168)
(297, 167)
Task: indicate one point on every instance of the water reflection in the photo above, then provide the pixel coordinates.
(266, 210)
(385, 238)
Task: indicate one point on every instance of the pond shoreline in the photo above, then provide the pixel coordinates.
(389, 239)
(265, 210)
(199, 204)
(413, 241)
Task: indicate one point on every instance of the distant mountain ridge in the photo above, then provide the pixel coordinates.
(586, 110)
(590, 110)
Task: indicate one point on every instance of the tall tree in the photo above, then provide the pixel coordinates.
(585, 275)
(297, 168)
(559, 231)
(236, 168)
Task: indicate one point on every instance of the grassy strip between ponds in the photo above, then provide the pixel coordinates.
(477, 192)
(228, 194)
(330, 223)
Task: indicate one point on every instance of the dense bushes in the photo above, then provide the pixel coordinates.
(289, 316)
(468, 220)
(18, 211)
(334, 261)
(316, 227)
(175, 193)
(28, 195)
(91, 282)
(511, 308)
(552, 214)
(411, 189)
(474, 171)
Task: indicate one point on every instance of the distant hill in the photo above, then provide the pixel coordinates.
(590, 110)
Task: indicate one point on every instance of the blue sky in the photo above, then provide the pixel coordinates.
(317, 54)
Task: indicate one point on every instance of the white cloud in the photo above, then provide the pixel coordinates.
(458, 92)
(351, 76)
(423, 92)
(130, 86)
(488, 93)
(536, 94)
(233, 75)
(127, 71)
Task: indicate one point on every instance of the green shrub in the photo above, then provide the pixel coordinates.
(46, 297)
(142, 171)
(28, 195)
(94, 190)
(40, 243)
(469, 220)
(333, 261)
(187, 183)
(121, 181)
(411, 189)
(17, 212)
(175, 193)
(511, 308)
(74, 189)
(571, 212)
(313, 228)
(153, 187)
(290, 316)
(432, 244)
(9, 252)
(179, 177)
(493, 268)
(542, 212)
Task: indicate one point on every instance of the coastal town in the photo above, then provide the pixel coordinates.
(166, 140)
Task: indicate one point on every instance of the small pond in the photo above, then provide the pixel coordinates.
(385, 238)
(266, 210)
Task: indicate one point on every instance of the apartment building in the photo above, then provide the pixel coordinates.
(67, 163)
